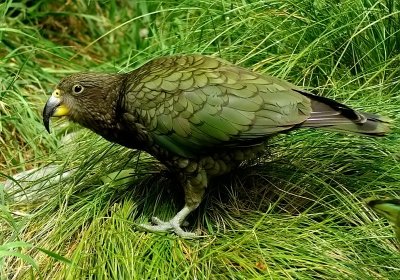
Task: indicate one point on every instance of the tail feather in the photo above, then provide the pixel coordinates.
(332, 115)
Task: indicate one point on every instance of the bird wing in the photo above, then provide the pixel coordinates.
(191, 104)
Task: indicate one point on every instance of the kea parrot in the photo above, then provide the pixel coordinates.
(390, 209)
(200, 116)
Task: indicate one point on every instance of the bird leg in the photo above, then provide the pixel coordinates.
(194, 192)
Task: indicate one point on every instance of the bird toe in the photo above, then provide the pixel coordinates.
(159, 225)
(158, 222)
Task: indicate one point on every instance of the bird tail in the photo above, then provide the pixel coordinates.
(331, 115)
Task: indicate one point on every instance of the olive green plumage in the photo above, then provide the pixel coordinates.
(390, 209)
(199, 115)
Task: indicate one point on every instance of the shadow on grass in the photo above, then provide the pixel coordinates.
(272, 188)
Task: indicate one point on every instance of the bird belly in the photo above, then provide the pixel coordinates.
(214, 164)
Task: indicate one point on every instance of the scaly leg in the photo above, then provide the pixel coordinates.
(194, 192)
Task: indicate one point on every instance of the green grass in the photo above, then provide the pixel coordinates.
(298, 213)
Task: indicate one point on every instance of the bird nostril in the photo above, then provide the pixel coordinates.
(56, 93)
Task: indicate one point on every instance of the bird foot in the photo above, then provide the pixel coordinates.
(170, 226)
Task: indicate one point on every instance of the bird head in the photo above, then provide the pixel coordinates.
(86, 98)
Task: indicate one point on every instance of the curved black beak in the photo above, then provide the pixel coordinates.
(49, 109)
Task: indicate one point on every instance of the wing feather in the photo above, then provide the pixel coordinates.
(207, 103)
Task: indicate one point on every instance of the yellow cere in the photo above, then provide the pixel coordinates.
(61, 110)
(56, 93)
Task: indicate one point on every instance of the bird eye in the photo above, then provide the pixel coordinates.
(77, 88)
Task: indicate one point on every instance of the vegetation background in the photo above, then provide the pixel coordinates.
(298, 213)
